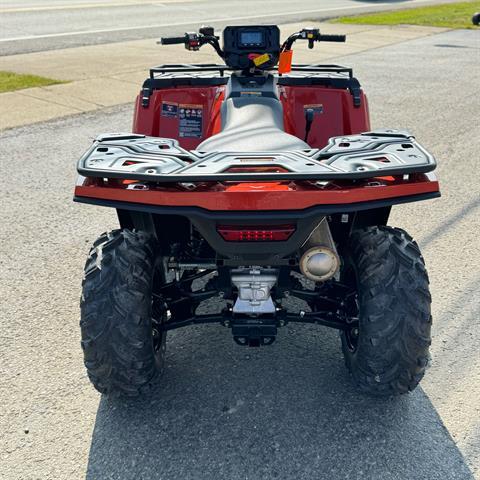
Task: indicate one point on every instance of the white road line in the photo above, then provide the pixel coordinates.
(81, 6)
(199, 21)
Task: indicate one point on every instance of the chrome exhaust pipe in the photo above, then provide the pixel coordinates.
(319, 261)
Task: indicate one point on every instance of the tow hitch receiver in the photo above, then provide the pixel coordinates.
(254, 332)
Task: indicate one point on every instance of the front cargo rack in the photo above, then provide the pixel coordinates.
(367, 155)
(208, 68)
(200, 74)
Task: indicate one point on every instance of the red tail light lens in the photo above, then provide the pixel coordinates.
(255, 233)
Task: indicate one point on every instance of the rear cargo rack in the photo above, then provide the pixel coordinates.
(372, 154)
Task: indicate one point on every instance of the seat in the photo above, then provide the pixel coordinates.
(252, 125)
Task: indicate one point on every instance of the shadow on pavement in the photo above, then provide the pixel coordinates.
(288, 411)
(451, 221)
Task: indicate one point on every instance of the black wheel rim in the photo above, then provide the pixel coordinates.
(352, 307)
(159, 314)
(159, 309)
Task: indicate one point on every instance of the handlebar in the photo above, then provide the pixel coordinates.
(206, 35)
(172, 40)
(193, 41)
(332, 38)
(312, 35)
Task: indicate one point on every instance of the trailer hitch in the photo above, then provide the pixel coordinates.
(254, 332)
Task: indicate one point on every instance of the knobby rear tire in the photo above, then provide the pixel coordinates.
(393, 338)
(116, 314)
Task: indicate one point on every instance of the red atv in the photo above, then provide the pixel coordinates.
(262, 189)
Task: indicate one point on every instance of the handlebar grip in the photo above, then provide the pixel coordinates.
(172, 40)
(332, 38)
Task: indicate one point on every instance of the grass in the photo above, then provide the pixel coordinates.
(10, 81)
(450, 15)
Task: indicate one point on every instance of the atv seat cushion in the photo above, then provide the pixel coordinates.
(252, 125)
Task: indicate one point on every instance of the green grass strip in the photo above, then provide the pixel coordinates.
(9, 81)
(450, 15)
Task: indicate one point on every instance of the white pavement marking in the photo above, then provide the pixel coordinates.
(209, 20)
(81, 6)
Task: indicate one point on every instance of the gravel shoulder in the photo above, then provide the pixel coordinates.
(221, 411)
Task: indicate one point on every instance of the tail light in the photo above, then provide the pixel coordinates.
(255, 233)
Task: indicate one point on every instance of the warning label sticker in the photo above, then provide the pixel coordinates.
(190, 124)
(169, 109)
(316, 107)
(261, 59)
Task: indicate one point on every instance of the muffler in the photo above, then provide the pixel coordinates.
(319, 261)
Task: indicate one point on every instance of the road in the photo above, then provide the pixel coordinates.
(221, 411)
(38, 25)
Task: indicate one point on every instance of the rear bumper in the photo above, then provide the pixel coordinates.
(256, 197)
(242, 213)
(257, 253)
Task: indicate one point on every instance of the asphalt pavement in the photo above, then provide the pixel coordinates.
(39, 25)
(221, 411)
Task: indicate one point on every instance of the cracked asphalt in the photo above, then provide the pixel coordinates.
(221, 411)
